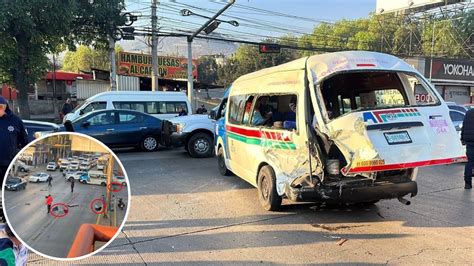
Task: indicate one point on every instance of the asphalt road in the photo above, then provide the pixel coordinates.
(184, 213)
(27, 212)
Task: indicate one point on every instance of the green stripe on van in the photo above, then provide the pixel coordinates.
(267, 143)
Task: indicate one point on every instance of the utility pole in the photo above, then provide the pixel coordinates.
(190, 53)
(154, 47)
(55, 110)
(113, 65)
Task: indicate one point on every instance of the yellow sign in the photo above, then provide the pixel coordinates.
(134, 64)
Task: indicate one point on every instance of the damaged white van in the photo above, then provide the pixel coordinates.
(340, 127)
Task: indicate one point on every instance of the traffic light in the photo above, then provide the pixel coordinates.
(269, 48)
(211, 27)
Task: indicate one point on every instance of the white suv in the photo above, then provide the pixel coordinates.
(52, 166)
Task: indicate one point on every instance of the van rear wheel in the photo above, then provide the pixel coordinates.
(266, 187)
(221, 162)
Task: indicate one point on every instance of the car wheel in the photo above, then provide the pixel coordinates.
(103, 184)
(149, 143)
(266, 187)
(200, 145)
(221, 163)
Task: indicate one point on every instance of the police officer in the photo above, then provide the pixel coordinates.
(13, 136)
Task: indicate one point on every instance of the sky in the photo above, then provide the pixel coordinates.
(258, 19)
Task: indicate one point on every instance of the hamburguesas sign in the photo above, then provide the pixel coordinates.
(134, 64)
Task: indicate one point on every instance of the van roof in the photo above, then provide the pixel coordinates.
(324, 65)
(138, 93)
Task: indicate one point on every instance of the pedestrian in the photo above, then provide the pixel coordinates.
(467, 138)
(20, 250)
(72, 185)
(7, 255)
(66, 109)
(13, 136)
(50, 179)
(49, 202)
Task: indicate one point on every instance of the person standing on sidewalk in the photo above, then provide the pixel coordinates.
(72, 185)
(66, 109)
(13, 136)
(467, 138)
(49, 202)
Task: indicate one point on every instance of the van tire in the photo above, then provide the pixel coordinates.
(200, 145)
(221, 163)
(149, 143)
(266, 187)
(103, 184)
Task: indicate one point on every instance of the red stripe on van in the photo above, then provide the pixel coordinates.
(365, 65)
(388, 167)
(256, 133)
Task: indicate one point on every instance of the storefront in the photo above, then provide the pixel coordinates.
(453, 78)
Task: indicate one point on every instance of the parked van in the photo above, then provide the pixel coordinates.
(64, 165)
(94, 179)
(340, 127)
(162, 105)
(98, 178)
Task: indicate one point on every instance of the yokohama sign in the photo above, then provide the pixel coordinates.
(448, 69)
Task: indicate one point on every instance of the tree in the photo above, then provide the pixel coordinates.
(84, 58)
(31, 29)
(207, 70)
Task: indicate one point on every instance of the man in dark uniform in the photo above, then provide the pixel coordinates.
(13, 136)
(467, 137)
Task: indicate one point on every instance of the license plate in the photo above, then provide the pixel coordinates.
(399, 137)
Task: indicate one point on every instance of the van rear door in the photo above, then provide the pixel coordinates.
(388, 121)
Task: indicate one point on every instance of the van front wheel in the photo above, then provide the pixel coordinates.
(266, 187)
(221, 162)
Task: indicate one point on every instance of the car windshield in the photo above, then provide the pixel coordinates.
(13, 180)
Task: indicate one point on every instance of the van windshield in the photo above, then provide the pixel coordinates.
(357, 91)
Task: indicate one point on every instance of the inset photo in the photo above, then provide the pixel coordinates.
(66, 196)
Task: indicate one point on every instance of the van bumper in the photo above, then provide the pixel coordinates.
(352, 194)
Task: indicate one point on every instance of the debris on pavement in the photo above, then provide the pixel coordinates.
(342, 241)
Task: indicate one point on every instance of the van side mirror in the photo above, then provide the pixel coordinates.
(213, 115)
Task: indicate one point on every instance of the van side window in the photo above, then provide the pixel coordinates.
(175, 107)
(165, 107)
(247, 110)
(136, 106)
(152, 108)
(94, 106)
(423, 96)
(276, 112)
(236, 109)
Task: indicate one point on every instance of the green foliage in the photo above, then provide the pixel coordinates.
(31, 29)
(84, 58)
(207, 70)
